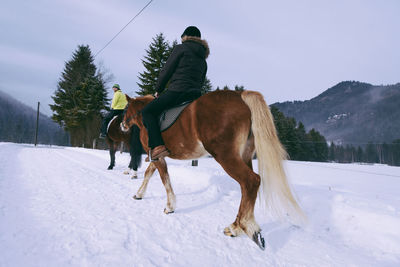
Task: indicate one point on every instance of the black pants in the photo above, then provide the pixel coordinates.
(108, 117)
(152, 111)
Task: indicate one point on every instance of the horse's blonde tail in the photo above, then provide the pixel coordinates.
(270, 153)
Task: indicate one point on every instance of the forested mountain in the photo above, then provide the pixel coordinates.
(18, 124)
(351, 112)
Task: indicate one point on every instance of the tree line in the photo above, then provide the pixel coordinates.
(312, 146)
(300, 144)
(385, 153)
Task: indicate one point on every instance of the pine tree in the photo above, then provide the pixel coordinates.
(172, 46)
(371, 153)
(239, 88)
(155, 59)
(320, 147)
(303, 144)
(287, 133)
(80, 97)
(359, 154)
(332, 149)
(396, 152)
(207, 86)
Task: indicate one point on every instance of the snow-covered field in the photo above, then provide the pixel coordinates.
(61, 207)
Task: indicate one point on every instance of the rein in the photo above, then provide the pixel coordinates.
(128, 120)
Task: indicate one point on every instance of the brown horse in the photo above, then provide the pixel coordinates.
(230, 126)
(131, 138)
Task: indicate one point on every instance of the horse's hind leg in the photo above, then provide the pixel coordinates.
(248, 151)
(249, 183)
(147, 175)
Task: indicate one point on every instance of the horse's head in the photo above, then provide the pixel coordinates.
(132, 113)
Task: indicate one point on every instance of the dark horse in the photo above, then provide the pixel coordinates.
(230, 126)
(132, 138)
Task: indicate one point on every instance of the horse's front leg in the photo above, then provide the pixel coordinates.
(163, 170)
(147, 175)
(112, 154)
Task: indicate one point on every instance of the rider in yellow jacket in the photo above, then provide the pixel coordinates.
(118, 105)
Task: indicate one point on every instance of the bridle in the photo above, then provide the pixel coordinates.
(126, 122)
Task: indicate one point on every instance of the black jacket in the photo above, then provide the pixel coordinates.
(186, 67)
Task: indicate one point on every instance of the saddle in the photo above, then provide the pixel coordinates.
(114, 118)
(169, 116)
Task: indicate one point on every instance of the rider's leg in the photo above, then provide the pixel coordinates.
(150, 115)
(107, 118)
(152, 111)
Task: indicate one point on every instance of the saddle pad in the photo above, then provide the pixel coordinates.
(169, 116)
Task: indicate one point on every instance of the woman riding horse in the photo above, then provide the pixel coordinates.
(118, 105)
(185, 70)
(228, 125)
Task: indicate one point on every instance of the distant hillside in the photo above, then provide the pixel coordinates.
(351, 112)
(18, 124)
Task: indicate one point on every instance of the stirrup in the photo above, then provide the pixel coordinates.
(150, 158)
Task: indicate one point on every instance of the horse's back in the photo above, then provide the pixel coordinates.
(114, 131)
(217, 117)
(220, 108)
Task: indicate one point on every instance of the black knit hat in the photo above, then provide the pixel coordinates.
(191, 31)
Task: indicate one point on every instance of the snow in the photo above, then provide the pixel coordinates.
(61, 207)
(336, 117)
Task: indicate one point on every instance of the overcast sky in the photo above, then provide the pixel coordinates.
(288, 50)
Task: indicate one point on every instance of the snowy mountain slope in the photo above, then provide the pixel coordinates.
(351, 112)
(61, 207)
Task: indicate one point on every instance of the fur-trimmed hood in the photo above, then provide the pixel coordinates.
(200, 41)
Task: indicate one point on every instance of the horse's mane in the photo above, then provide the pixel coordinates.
(141, 101)
(146, 98)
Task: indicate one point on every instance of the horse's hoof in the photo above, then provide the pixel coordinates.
(134, 177)
(259, 239)
(228, 232)
(126, 172)
(110, 167)
(168, 212)
(137, 198)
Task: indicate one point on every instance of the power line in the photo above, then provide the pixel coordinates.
(115, 36)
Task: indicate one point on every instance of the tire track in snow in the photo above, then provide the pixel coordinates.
(80, 205)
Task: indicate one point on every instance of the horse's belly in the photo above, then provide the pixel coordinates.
(183, 150)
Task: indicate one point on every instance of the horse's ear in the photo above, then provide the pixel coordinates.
(127, 97)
